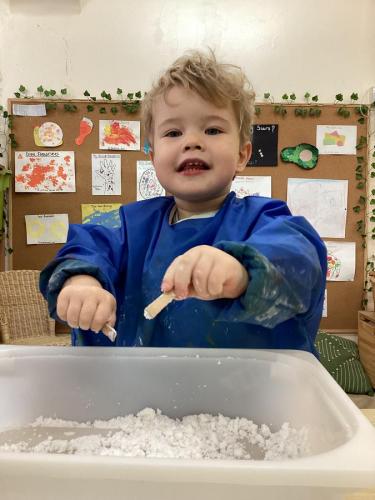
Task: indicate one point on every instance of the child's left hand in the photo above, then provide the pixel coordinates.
(207, 273)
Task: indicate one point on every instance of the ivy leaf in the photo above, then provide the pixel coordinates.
(360, 185)
(266, 95)
(5, 114)
(22, 88)
(339, 97)
(315, 98)
(114, 110)
(119, 91)
(102, 110)
(52, 92)
(285, 97)
(354, 96)
(90, 107)
(293, 96)
(17, 94)
(361, 120)
(357, 209)
(47, 93)
(138, 94)
(130, 96)
(307, 95)
(40, 88)
(86, 93)
(63, 91)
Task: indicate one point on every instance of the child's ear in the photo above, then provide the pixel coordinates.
(244, 156)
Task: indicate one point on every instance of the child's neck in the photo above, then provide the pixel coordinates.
(187, 209)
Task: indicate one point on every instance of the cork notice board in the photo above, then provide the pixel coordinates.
(344, 298)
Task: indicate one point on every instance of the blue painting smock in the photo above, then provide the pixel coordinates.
(283, 254)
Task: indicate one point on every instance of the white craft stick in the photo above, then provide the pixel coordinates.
(110, 332)
(153, 309)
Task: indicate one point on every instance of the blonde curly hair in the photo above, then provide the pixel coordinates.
(217, 82)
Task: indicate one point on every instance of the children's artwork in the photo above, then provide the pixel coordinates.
(47, 228)
(48, 135)
(85, 128)
(265, 138)
(118, 134)
(44, 172)
(336, 139)
(340, 260)
(106, 174)
(304, 155)
(323, 202)
(325, 307)
(248, 185)
(148, 185)
(103, 214)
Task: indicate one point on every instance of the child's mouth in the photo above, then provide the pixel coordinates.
(192, 167)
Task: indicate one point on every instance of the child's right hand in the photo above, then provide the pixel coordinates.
(83, 303)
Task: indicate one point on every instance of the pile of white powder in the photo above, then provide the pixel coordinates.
(149, 433)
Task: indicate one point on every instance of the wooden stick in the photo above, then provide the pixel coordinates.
(153, 309)
(110, 332)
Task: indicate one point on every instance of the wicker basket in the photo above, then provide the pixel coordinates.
(24, 317)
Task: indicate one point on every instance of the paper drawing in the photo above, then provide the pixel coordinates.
(148, 185)
(120, 135)
(85, 128)
(106, 174)
(104, 214)
(322, 201)
(248, 185)
(340, 260)
(48, 135)
(47, 228)
(336, 139)
(44, 171)
(264, 141)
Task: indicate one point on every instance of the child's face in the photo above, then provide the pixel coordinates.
(196, 148)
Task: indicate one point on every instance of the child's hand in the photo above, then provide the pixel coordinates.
(83, 303)
(207, 273)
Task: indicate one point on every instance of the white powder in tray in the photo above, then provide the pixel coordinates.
(149, 433)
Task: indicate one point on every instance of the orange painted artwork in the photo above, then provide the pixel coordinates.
(85, 129)
(44, 172)
(119, 135)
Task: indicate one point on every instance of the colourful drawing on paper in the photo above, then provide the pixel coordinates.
(44, 172)
(333, 139)
(116, 134)
(48, 228)
(148, 185)
(333, 267)
(85, 128)
(49, 135)
(103, 214)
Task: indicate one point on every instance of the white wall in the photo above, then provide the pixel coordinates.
(321, 46)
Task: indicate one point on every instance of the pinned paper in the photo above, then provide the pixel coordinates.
(48, 228)
(340, 260)
(323, 202)
(264, 141)
(44, 171)
(103, 214)
(336, 139)
(85, 128)
(148, 185)
(49, 135)
(118, 134)
(325, 307)
(247, 185)
(29, 109)
(106, 174)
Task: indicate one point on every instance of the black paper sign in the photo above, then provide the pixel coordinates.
(264, 146)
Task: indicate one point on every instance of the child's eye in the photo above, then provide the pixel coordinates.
(172, 133)
(213, 131)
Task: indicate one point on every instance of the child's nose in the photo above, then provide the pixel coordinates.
(193, 142)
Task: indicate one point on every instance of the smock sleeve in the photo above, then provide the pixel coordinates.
(286, 261)
(94, 250)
